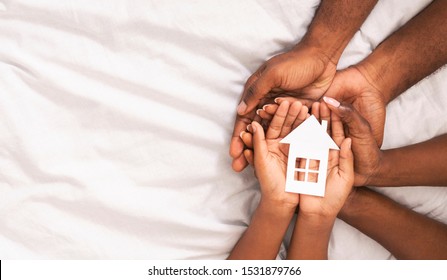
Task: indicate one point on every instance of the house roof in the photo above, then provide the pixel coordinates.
(311, 134)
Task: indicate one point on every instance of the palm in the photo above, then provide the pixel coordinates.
(302, 72)
(338, 187)
(274, 165)
(309, 78)
(351, 86)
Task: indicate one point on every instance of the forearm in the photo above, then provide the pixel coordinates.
(411, 53)
(263, 237)
(422, 164)
(403, 232)
(310, 239)
(334, 25)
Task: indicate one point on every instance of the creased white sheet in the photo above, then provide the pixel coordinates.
(116, 118)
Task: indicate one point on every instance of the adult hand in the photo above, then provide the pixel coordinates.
(352, 86)
(367, 154)
(303, 72)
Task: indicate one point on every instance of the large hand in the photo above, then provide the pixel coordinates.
(367, 155)
(351, 86)
(304, 72)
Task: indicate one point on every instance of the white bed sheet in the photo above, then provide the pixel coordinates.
(117, 115)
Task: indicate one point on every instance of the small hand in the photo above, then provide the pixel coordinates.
(270, 156)
(297, 114)
(340, 176)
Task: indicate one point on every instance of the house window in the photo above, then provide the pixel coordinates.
(306, 170)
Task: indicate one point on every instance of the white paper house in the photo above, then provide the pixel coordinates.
(308, 157)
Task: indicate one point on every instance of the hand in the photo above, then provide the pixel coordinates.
(270, 157)
(303, 71)
(366, 152)
(340, 176)
(351, 86)
(298, 113)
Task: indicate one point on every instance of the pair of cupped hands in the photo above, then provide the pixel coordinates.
(305, 78)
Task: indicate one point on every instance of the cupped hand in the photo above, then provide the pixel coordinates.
(352, 86)
(304, 72)
(270, 156)
(340, 176)
(367, 154)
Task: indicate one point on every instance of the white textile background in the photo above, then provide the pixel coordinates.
(116, 117)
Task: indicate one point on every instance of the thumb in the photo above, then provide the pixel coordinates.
(259, 143)
(346, 161)
(254, 92)
(356, 125)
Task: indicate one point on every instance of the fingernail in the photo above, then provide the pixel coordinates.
(241, 108)
(276, 100)
(258, 111)
(331, 101)
(241, 134)
(253, 128)
(265, 107)
(248, 127)
(349, 142)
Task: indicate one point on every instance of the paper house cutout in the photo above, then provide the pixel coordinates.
(308, 157)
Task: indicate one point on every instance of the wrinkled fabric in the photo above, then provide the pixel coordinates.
(116, 118)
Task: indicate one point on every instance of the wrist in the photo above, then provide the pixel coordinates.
(276, 210)
(381, 173)
(377, 76)
(357, 203)
(377, 170)
(389, 68)
(350, 204)
(316, 223)
(321, 48)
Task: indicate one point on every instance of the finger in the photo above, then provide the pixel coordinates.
(355, 124)
(346, 161)
(337, 131)
(253, 78)
(240, 124)
(325, 115)
(247, 139)
(315, 110)
(270, 108)
(257, 118)
(259, 143)
(249, 156)
(255, 91)
(274, 130)
(302, 116)
(295, 97)
(333, 159)
(264, 115)
(239, 163)
(294, 111)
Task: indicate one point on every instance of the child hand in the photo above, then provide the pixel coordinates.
(298, 114)
(340, 178)
(270, 157)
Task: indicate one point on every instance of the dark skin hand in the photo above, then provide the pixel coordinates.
(421, 164)
(399, 62)
(307, 70)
